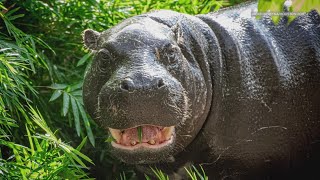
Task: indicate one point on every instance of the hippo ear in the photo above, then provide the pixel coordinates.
(178, 35)
(90, 39)
(183, 37)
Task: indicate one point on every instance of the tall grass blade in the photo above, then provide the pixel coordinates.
(76, 115)
(66, 102)
(86, 124)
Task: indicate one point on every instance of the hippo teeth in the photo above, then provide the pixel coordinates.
(116, 134)
(152, 142)
(145, 134)
(167, 132)
(133, 142)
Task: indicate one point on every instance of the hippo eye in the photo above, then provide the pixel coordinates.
(104, 54)
(169, 48)
(104, 60)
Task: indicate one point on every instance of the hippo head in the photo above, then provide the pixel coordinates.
(149, 85)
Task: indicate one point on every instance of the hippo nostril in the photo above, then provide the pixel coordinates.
(160, 83)
(126, 84)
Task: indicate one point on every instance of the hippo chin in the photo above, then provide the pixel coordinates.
(238, 95)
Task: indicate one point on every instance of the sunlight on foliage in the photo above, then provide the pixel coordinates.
(72, 96)
(158, 173)
(278, 6)
(194, 173)
(30, 155)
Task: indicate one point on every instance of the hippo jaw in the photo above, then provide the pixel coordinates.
(151, 137)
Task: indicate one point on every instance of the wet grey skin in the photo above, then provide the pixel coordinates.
(243, 94)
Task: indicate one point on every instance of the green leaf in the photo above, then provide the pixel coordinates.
(201, 176)
(147, 177)
(66, 102)
(306, 5)
(139, 129)
(83, 142)
(55, 95)
(77, 93)
(12, 11)
(109, 139)
(11, 18)
(58, 86)
(76, 158)
(38, 146)
(204, 173)
(75, 151)
(76, 86)
(159, 174)
(123, 176)
(76, 115)
(2, 7)
(191, 174)
(84, 59)
(86, 124)
(271, 6)
(30, 140)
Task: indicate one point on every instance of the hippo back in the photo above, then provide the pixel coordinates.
(266, 106)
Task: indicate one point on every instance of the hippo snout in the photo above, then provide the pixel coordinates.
(154, 83)
(141, 99)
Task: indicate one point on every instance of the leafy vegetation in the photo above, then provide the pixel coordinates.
(159, 174)
(293, 6)
(194, 173)
(42, 62)
(43, 156)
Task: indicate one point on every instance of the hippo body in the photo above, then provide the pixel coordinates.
(245, 92)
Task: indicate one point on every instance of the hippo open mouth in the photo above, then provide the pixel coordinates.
(144, 136)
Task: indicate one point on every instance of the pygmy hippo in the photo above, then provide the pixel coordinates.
(236, 94)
